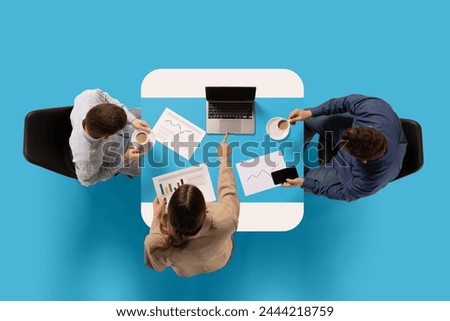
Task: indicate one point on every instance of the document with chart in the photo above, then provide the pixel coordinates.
(167, 184)
(255, 173)
(177, 133)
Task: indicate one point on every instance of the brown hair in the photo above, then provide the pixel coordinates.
(364, 143)
(105, 120)
(185, 216)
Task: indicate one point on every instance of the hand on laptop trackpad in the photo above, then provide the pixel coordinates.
(231, 126)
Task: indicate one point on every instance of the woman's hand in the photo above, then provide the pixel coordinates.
(159, 207)
(223, 150)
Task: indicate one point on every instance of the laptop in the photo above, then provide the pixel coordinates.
(230, 109)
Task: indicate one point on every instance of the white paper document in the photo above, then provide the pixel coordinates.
(167, 184)
(178, 133)
(255, 173)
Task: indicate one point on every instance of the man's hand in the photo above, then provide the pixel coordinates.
(223, 150)
(132, 154)
(159, 207)
(299, 114)
(293, 182)
(140, 124)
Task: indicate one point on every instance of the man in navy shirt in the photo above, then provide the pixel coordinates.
(372, 145)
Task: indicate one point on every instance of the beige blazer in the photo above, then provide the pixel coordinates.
(208, 250)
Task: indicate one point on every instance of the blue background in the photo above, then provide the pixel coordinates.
(61, 241)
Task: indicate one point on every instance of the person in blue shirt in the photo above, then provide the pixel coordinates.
(371, 146)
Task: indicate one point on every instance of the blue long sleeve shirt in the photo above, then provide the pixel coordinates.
(363, 179)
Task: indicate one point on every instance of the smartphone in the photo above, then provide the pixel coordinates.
(280, 176)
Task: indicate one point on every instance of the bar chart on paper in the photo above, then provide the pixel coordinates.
(165, 185)
(169, 189)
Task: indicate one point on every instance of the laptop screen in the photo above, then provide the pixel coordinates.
(230, 93)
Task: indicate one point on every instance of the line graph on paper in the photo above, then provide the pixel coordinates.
(177, 125)
(255, 174)
(172, 127)
(263, 171)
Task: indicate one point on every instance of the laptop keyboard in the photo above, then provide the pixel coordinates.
(230, 111)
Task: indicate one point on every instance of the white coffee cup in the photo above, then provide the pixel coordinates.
(278, 128)
(141, 139)
(283, 125)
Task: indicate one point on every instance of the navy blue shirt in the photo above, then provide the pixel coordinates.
(363, 179)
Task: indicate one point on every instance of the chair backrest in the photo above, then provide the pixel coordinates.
(413, 160)
(46, 139)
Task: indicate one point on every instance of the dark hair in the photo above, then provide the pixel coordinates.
(105, 120)
(364, 143)
(185, 216)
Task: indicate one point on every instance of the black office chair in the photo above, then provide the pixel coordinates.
(46, 140)
(413, 160)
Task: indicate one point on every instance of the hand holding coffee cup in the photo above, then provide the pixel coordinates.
(132, 154)
(298, 115)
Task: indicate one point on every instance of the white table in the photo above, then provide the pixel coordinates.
(270, 83)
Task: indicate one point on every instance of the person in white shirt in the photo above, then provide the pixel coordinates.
(100, 139)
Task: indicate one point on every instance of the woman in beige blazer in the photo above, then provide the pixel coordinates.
(192, 236)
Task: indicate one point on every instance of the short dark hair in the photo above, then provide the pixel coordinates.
(186, 213)
(364, 143)
(105, 120)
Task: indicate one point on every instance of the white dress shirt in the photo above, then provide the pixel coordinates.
(99, 159)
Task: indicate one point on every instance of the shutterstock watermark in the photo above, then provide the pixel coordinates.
(252, 150)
